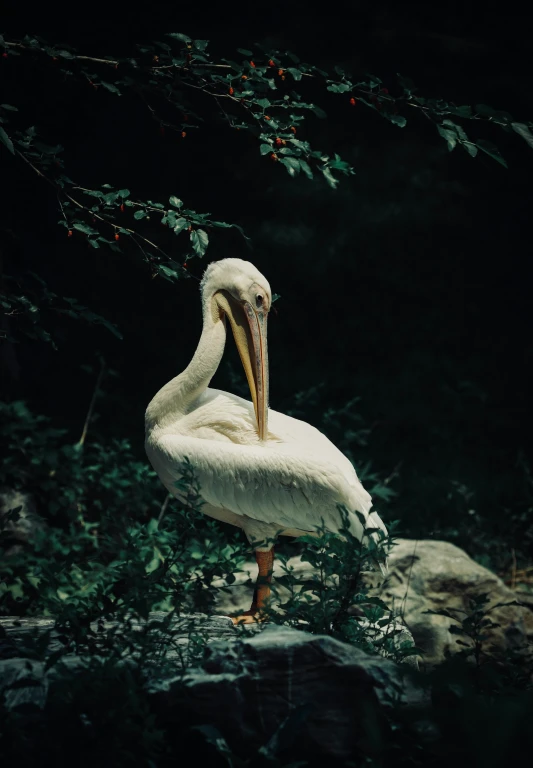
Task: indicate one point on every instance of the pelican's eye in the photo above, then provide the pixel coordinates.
(259, 300)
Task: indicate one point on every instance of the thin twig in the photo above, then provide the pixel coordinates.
(92, 404)
(163, 508)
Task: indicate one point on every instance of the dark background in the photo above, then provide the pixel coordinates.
(408, 287)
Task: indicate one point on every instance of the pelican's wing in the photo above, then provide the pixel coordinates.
(273, 483)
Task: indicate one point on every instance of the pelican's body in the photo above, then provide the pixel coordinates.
(281, 476)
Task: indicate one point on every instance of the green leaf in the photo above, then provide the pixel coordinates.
(179, 36)
(399, 120)
(263, 103)
(306, 169)
(4, 138)
(295, 73)
(523, 131)
(139, 214)
(448, 134)
(490, 149)
(470, 148)
(265, 149)
(332, 181)
(465, 111)
(373, 80)
(339, 87)
(244, 51)
(200, 241)
(84, 228)
(180, 225)
(457, 128)
(110, 87)
(9, 107)
(291, 164)
(123, 193)
(319, 112)
(167, 272)
(175, 201)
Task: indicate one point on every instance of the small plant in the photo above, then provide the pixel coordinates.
(472, 626)
(335, 600)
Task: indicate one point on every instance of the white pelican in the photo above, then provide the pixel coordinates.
(258, 469)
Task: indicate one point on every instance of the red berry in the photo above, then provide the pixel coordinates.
(293, 129)
(273, 156)
(156, 59)
(184, 265)
(4, 55)
(183, 134)
(278, 142)
(252, 65)
(271, 63)
(117, 236)
(280, 72)
(69, 233)
(267, 117)
(189, 229)
(122, 207)
(244, 77)
(231, 91)
(353, 102)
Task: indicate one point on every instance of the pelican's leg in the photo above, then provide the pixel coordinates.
(265, 564)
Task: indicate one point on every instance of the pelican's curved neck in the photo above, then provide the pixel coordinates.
(175, 398)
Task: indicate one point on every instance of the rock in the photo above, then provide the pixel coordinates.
(435, 575)
(259, 687)
(328, 694)
(25, 679)
(16, 533)
(423, 575)
(24, 683)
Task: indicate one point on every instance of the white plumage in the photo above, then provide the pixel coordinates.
(292, 481)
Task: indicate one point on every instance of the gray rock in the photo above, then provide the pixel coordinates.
(329, 694)
(23, 683)
(18, 532)
(24, 680)
(260, 687)
(435, 575)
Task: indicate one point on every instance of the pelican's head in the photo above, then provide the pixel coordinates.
(235, 289)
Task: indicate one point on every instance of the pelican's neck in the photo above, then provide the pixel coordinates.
(176, 397)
